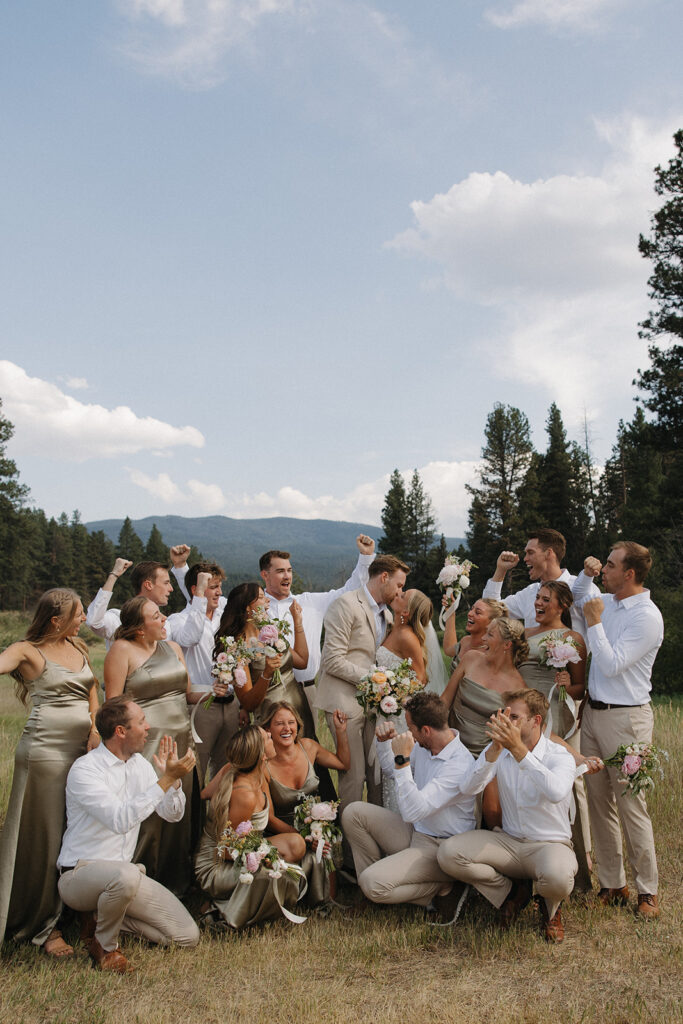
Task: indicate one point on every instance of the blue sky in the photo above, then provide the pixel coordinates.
(257, 253)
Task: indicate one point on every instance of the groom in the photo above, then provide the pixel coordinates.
(355, 626)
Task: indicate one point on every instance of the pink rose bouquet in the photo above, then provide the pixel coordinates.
(250, 852)
(315, 820)
(386, 691)
(557, 650)
(272, 638)
(638, 763)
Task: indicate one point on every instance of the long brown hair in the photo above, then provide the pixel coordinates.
(234, 618)
(244, 753)
(564, 596)
(59, 602)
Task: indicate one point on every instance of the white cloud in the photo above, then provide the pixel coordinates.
(581, 15)
(444, 482)
(76, 383)
(558, 258)
(50, 423)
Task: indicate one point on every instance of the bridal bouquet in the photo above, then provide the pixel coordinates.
(637, 764)
(316, 818)
(249, 850)
(229, 665)
(272, 638)
(386, 691)
(557, 651)
(453, 579)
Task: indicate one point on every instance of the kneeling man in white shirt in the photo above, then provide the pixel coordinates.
(396, 854)
(535, 778)
(109, 792)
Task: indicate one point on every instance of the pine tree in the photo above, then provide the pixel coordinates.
(155, 549)
(393, 541)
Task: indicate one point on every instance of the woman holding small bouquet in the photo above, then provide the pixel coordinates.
(240, 806)
(556, 665)
(274, 636)
(292, 778)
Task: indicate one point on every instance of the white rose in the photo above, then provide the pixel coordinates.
(246, 878)
(464, 582)
(280, 646)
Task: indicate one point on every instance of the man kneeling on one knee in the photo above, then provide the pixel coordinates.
(109, 792)
(535, 778)
(396, 854)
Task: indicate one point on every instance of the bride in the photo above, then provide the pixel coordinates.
(413, 636)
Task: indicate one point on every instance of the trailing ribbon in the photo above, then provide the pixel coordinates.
(445, 613)
(294, 918)
(572, 706)
(195, 735)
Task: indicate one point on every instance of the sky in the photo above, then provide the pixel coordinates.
(258, 253)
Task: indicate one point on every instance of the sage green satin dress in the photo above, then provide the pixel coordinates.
(285, 800)
(288, 689)
(55, 734)
(159, 686)
(241, 905)
(470, 711)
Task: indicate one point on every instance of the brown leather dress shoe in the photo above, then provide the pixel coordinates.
(553, 928)
(516, 900)
(112, 960)
(614, 897)
(647, 906)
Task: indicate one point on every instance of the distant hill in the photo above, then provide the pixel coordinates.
(323, 551)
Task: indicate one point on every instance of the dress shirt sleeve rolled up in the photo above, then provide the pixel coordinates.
(338, 629)
(554, 777)
(172, 807)
(416, 804)
(641, 635)
(87, 787)
(513, 603)
(99, 619)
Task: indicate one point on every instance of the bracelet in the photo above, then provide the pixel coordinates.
(268, 679)
(116, 575)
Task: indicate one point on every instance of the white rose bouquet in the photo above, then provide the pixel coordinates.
(453, 579)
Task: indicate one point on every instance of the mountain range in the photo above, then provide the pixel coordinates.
(323, 551)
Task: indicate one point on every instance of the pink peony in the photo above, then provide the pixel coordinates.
(252, 861)
(268, 634)
(389, 705)
(632, 764)
(323, 811)
(561, 654)
(240, 676)
(221, 658)
(244, 828)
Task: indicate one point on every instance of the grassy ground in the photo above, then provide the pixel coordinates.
(380, 964)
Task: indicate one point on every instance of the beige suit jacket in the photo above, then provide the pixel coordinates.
(349, 651)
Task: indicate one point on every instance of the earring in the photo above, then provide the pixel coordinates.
(403, 619)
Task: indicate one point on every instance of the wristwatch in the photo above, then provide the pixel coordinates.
(400, 760)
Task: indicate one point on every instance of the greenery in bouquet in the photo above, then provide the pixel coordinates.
(250, 851)
(556, 651)
(386, 691)
(315, 819)
(229, 665)
(638, 763)
(272, 638)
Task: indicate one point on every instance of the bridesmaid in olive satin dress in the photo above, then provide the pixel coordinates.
(150, 670)
(51, 667)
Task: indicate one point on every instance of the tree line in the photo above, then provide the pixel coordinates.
(637, 495)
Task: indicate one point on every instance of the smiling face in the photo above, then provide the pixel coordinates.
(535, 559)
(159, 589)
(493, 642)
(283, 728)
(478, 618)
(135, 731)
(278, 578)
(153, 620)
(529, 725)
(547, 607)
(213, 593)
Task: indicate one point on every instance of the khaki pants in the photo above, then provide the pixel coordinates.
(394, 863)
(216, 725)
(124, 899)
(361, 734)
(488, 860)
(602, 733)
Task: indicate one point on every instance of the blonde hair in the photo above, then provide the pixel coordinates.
(513, 630)
(59, 602)
(244, 753)
(420, 611)
(278, 706)
(496, 608)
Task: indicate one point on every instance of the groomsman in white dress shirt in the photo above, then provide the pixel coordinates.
(543, 556)
(535, 779)
(625, 631)
(151, 580)
(109, 792)
(395, 855)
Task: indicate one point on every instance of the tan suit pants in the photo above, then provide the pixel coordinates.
(361, 735)
(394, 863)
(215, 725)
(602, 732)
(488, 860)
(126, 900)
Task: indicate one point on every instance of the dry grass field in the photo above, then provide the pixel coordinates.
(375, 964)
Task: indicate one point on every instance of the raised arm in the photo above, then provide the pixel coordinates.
(448, 695)
(300, 645)
(358, 578)
(450, 636)
(98, 618)
(341, 761)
